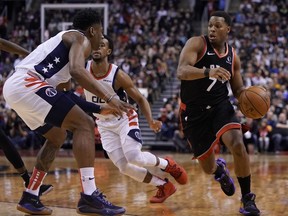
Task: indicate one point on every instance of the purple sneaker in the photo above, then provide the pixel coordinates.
(248, 206)
(97, 204)
(226, 182)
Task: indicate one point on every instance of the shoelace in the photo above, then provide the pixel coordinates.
(175, 171)
(160, 192)
(103, 199)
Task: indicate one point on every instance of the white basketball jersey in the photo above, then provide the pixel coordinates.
(50, 60)
(107, 81)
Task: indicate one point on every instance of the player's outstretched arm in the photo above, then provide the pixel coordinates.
(12, 47)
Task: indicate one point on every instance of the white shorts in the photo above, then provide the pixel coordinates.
(114, 131)
(32, 98)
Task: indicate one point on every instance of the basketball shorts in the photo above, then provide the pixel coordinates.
(35, 101)
(204, 127)
(114, 132)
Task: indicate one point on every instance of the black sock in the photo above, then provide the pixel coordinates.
(219, 171)
(245, 185)
(25, 176)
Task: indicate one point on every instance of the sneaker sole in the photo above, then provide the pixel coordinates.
(99, 213)
(166, 197)
(22, 209)
(242, 211)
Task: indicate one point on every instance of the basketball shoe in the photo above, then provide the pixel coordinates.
(175, 170)
(248, 206)
(164, 191)
(96, 203)
(31, 204)
(44, 189)
(226, 182)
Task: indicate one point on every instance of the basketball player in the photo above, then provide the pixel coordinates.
(121, 137)
(31, 92)
(6, 145)
(206, 65)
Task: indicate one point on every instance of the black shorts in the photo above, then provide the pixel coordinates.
(203, 127)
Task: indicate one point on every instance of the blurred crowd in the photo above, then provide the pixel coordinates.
(148, 37)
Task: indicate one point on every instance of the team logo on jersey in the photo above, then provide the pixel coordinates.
(229, 60)
(136, 135)
(50, 92)
(210, 53)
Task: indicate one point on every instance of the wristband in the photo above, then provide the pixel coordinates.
(206, 72)
(110, 98)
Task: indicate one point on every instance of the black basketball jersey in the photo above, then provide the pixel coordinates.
(208, 91)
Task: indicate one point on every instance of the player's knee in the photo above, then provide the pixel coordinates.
(124, 169)
(135, 158)
(85, 123)
(238, 148)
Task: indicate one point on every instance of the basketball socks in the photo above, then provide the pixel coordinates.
(161, 163)
(87, 180)
(36, 181)
(245, 185)
(219, 171)
(25, 176)
(156, 181)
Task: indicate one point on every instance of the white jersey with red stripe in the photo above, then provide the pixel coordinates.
(113, 130)
(49, 60)
(30, 90)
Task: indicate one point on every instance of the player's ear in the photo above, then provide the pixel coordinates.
(91, 31)
(228, 29)
(109, 51)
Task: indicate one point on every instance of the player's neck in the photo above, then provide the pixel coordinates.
(220, 48)
(100, 68)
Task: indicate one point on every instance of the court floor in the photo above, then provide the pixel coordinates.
(202, 195)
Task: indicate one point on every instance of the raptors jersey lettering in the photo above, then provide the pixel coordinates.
(208, 91)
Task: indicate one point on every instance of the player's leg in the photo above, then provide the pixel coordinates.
(218, 168)
(92, 200)
(141, 174)
(131, 135)
(15, 159)
(233, 139)
(13, 156)
(30, 202)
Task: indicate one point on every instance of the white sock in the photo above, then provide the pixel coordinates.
(87, 180)
(162, 163)
(157, 181)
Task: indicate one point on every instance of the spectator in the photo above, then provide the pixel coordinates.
(280, 134)
(264, 135)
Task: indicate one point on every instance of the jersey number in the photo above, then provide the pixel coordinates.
(214, 80)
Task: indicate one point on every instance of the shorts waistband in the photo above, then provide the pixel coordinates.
(184, 107)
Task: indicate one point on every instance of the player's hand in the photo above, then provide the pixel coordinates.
(155, 125)
(120, 106)
(220, 74)
(107, 110)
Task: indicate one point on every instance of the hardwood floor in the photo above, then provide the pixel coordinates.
(202, 195)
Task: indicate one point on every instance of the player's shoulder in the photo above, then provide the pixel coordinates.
(196, 42)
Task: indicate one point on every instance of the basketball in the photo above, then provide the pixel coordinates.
(254, 102)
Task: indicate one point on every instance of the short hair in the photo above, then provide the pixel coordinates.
(110, 42)
(86, 18)
(223, 14)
